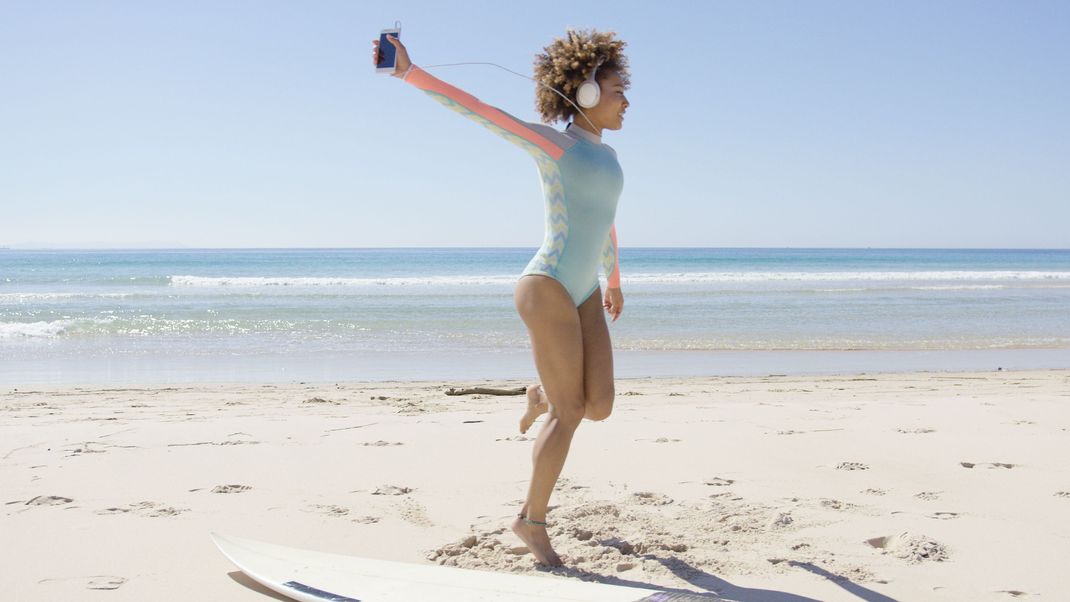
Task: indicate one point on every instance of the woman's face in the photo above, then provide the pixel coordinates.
(609, 112)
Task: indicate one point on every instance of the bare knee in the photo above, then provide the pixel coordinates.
(569, 414)
(599, 408)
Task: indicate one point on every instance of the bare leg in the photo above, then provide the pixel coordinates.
(597, 367)
(539, 404)
(551, 450)
(557, 343)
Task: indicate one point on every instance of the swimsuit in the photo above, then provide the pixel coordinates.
(581, 181)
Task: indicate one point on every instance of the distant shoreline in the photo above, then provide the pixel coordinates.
(528, 247)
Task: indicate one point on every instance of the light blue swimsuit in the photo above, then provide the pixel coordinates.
(581, 182)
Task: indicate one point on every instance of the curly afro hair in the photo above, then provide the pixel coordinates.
(566, 63)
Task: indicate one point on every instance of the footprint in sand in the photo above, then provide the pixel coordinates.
(1062, 494)
(319, 400)
(328, 509)
(85, 448)
(414, 513)
(851, 466)
(872, 491)
(231, 488)
(944, 515)
(105, 582)
(910, 547)
(239, 442)
(1013, 592)
(391, 490)
(917, 431)
(406, 407)
(928, 495)
(514, 438)
(650, 498)
(718, 482)
(837, 504)
(149, 509)
(727, 494)
(157, 509)
(781, 520)
(48, 500)
(990, 464)
(101, 582)
(381, 443)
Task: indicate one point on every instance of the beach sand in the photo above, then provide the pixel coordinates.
(909, 486)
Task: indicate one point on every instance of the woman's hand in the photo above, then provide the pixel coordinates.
(613, 301)
(401, 65)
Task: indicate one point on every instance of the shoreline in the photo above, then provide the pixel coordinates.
(504, 365)
(503, 382)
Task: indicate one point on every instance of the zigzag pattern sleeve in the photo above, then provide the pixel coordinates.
(494, 119)
(611, 259)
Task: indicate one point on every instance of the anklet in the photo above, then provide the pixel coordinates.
(531, 522)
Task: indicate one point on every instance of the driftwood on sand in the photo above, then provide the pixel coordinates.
(486, 391)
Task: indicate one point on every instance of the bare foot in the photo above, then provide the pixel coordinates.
(536, 539)
(536, 407)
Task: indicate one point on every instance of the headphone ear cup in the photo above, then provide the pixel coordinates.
(588, 93)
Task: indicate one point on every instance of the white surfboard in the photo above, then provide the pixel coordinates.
(310, 576)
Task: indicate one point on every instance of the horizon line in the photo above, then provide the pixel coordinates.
(816, 248)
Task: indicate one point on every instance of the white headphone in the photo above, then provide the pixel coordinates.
(589, 91)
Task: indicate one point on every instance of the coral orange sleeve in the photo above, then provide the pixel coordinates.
(496, 120)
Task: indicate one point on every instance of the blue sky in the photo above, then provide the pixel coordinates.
(752, 124)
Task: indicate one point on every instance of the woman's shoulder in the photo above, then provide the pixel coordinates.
(560, 138)
(552, 134)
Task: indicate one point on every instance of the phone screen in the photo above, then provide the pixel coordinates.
(387, 53)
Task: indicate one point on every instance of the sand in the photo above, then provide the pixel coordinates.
(911, 486)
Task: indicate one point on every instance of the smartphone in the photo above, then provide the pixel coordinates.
(387, 52)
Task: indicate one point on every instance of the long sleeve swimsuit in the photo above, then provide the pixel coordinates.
(581, 183)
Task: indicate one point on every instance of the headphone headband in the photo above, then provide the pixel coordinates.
(597, 65)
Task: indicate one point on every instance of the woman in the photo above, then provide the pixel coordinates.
(557, 294)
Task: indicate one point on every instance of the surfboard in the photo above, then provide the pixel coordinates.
(310, 576)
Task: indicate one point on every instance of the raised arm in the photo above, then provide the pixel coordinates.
(611, 259)
(537, 139)
(523, 134)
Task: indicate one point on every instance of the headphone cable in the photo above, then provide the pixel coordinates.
(521, 75)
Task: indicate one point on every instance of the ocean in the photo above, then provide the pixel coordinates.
(94, 316)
